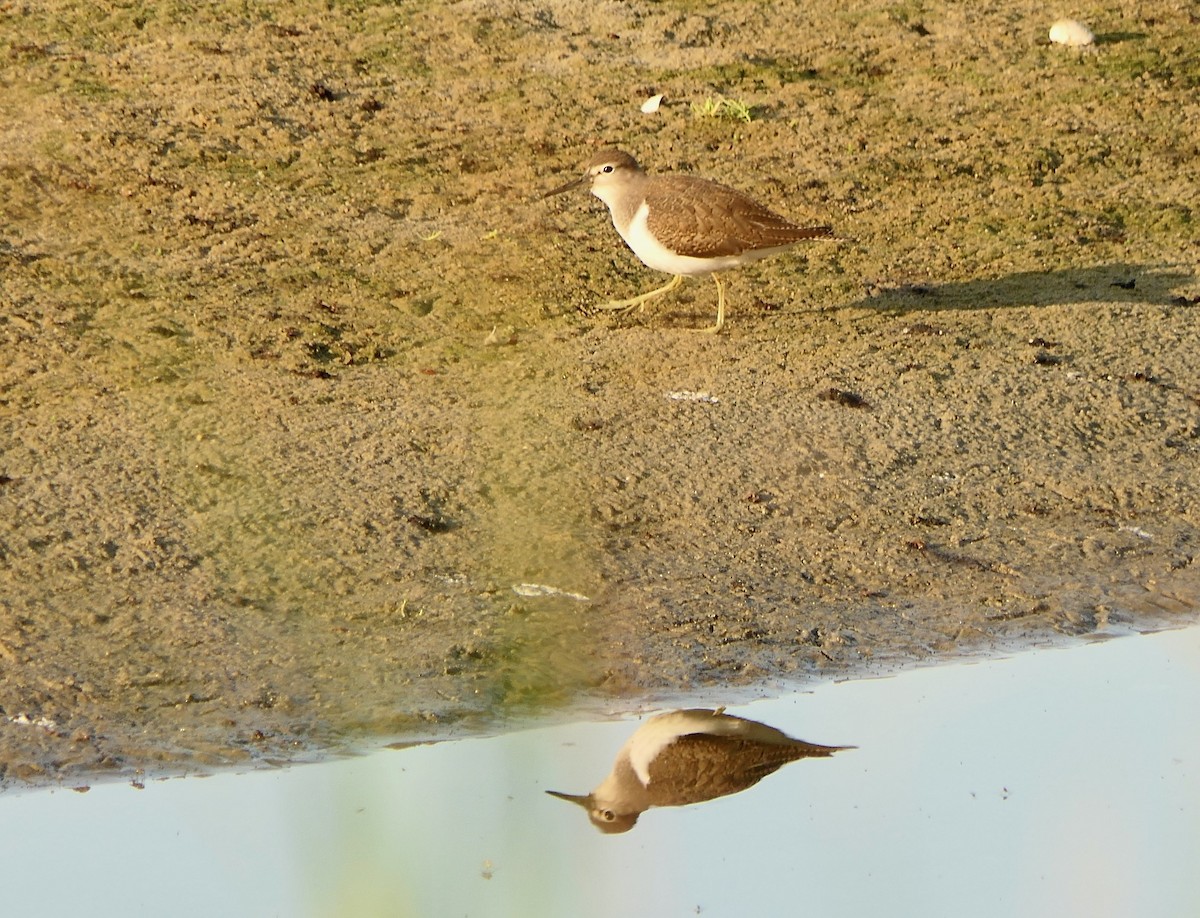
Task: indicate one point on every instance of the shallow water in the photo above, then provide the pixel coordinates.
(1061, 781)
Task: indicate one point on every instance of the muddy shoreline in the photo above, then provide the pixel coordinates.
(307, 433)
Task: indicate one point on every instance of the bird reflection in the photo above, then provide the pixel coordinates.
(686, 757)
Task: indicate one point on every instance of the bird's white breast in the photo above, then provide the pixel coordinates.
(649, 740)
(660, 731)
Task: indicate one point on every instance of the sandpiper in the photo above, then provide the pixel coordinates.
(687, 757)
(682, 225)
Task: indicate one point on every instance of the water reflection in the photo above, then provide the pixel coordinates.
(688, 756)
(1056, 782)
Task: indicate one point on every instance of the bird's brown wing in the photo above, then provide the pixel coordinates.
(703, 219)
(699, 766)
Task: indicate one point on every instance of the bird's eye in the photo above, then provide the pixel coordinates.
(607, 169)
(608, 815)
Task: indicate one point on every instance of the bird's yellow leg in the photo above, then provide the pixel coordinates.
(640, 300)
(713, 329)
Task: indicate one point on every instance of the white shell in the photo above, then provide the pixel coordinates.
(1072, 33)
(541, 589)
(650, 106)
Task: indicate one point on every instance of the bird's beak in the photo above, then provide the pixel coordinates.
(583, 800)
(570, 186)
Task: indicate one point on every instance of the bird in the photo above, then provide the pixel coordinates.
(688, 756)
(684, 225)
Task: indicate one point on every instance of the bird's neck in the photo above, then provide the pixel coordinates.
(624, 200)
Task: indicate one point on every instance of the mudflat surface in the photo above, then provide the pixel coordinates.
(307, 431)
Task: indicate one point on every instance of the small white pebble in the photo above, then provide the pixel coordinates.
(650, 106)
(25, 720)
(692, 397)
(1140, 533)
(1072, 33)
(541, 589)
(500, 336)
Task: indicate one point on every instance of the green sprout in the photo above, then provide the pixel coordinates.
(721, 107)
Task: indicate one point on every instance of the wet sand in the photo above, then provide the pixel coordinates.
(300, 378)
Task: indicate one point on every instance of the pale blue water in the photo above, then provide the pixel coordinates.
(1057, 782)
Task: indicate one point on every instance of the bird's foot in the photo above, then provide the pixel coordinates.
(639, 301)
(622, 306)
